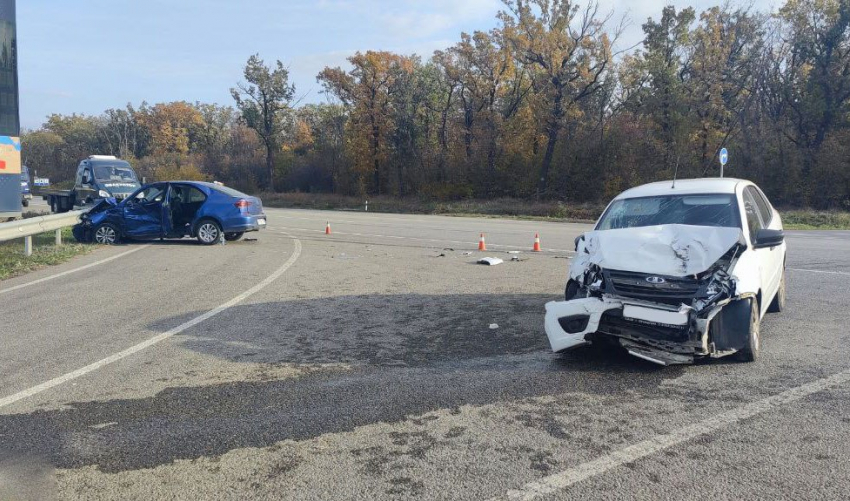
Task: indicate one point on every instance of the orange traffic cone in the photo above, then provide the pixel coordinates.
(481, 245)
(328, 228)
(536, 247)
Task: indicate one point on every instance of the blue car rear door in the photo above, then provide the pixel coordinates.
(143, 214)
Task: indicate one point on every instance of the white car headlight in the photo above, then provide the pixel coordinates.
(103, 194)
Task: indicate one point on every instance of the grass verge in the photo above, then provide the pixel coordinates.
(793, 219)
(499, 207)
(815, 220)
(13, 262)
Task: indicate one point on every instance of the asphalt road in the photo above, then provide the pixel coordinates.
(38, 206)
(363, 365)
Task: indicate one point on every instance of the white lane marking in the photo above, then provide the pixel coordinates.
(368, 221)
(821, 271)
(156, 339)
(562, 480)
(441, 241)
(75, 270)
(325, 215)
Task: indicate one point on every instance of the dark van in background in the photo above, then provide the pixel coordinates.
(98, 177)
(26, 193)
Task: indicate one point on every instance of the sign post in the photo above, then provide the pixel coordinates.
(724, 157)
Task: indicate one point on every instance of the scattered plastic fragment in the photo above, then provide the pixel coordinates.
(467, 253)
(514, 252)
(494, 326)
(490, 261)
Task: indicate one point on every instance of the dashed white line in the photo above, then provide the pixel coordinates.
(821, 271)
(29, 392)
(564, 479)
(75, 270)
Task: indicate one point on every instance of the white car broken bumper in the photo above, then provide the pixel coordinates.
(590, 307)
(569, 322)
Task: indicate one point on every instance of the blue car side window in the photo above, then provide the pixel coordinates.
(150, 194)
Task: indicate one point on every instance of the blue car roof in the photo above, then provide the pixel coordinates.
(224, 190)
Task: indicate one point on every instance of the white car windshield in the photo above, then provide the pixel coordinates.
(698, 210)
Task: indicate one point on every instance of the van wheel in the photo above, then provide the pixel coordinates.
(106, 234)
(208, 232)
(750, 352)
(232, 237)
(778, 303)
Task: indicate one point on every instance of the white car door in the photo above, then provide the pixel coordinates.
(769, 259)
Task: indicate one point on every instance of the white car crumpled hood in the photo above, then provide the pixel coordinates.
(674, 250)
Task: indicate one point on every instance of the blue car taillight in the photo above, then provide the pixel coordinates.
(242, 205)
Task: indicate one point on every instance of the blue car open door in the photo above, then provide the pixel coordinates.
(143, 214)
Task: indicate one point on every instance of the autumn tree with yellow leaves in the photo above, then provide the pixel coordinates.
(545, 104)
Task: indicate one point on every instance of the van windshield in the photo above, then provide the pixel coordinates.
(113, 173)
(697, 210)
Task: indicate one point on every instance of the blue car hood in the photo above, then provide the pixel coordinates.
(100, 210)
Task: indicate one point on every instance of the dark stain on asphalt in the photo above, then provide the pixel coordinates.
(442, 357)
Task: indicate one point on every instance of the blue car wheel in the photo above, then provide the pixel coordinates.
(208, 232)
(106, 234)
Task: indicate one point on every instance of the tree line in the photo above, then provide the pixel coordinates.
(548, 104)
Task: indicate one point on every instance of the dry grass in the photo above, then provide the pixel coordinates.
(497, 207)
(13, 262)
(808, 219)
(794, 219)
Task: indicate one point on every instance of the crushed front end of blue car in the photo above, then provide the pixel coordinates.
(84, 230)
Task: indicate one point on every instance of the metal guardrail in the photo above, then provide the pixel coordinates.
(26, 228)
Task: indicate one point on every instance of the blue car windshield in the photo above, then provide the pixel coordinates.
(114, 173)
(698, 210)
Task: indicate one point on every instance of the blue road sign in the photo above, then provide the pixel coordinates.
(724, 156)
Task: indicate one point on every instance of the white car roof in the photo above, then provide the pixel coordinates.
(683, 187)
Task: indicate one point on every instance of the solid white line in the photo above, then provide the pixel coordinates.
(440, 241)
(821, 271)
(369, 221)
(156, 339)
(562, 480)
(75, 270)
(365, 217)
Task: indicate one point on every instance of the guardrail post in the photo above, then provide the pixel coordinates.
(58, 237)
(28, 246)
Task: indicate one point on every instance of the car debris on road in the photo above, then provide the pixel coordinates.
(490, 261)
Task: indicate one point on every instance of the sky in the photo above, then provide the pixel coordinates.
(85, 56)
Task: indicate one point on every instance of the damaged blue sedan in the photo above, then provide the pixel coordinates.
(209, 212)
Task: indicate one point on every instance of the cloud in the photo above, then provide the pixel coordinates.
(427, 19)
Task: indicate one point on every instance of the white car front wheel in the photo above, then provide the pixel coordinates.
(751, 350)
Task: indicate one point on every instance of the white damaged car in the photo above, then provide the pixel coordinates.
(674, 272)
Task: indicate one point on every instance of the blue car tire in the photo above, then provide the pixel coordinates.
(106, 234)
(208, 231)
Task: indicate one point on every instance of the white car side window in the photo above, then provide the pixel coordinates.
(753, 221)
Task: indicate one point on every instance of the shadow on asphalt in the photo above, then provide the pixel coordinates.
(410, 354)
(186, 241)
